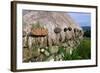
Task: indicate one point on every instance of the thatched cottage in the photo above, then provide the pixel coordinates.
(45, 29)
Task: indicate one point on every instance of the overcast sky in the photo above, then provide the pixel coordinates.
(83, 19)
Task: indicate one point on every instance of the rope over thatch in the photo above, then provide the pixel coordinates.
(57, 30)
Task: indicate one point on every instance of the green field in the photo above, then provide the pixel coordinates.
(83, 51)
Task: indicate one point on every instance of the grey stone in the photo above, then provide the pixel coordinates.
(57, 30)
(42, 57)
(64, 44)
(51, 58)
(57, 58)
(42, 50)
(53, 49)
(68, 50)
(60, 56)
(35, 52)
(46, 53)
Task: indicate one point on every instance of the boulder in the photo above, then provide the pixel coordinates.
(54, 49)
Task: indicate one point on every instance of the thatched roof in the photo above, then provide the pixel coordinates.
(50, 21)
(47, 18)
(59, 30)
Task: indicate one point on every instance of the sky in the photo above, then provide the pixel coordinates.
(83, 19)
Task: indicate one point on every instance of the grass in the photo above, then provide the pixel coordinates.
(83, 51)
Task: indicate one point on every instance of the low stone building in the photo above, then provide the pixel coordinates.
(44, 32)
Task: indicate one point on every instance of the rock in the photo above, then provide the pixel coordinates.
(53, 49)
(30, 42)
(25, 44)
(62, 37)
(46, 53)
(33, 59)
(44, 41)
(49, 41)
(41, 57)
(57, 30)
(69, 35)
(26, 54)
(57, 58)
(42, 50)
(35, 52)
(51, 58)
(70, 43)
(46, 48)
(64, 45)
(60, 56)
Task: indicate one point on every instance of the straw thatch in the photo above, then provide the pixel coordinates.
(60, 26)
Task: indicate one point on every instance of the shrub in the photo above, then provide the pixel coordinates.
(87, 33)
